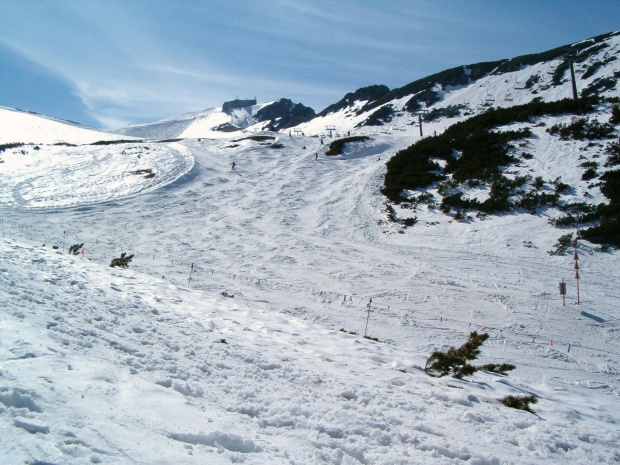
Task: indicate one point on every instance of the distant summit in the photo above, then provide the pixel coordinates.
(283, 114)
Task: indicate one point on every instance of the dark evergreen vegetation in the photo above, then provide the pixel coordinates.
(337, 146)
(564, 242)
(368, 94)
(594, 67)
(255, 138)
(122, 261)
(458, 76)
(584, 48)
(471, 149)
(75, 249)
(475, 154)
(532, 80)
(613, 150)
(13, 145)
(451, 111)
(380, 117)
(520, 403)
(601, 85)
(115, 142)
(456, 361)
(421, 91)
(426, 97)
(583, 129)
(615, 114)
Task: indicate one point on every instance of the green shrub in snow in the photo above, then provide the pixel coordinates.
(613, 150)
(582, 129)
(75, 249)
(122, 261)
(564, 242)
(455, 361)
(615, 115)
(520, 403)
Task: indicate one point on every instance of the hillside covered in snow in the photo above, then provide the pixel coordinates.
(236, 334)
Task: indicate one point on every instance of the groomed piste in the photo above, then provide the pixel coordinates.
(236, 333)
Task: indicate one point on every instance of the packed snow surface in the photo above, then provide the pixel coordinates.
(222, 343)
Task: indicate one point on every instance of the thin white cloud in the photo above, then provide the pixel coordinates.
(330, 11)
(131, 60)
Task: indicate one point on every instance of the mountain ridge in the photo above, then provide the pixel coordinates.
(377, 104)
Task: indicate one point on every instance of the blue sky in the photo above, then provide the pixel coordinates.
(111, 63)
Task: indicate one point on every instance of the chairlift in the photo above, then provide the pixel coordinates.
(552, 68)
(543, 85)
(508, 97)
(489, 98)
(519, 85)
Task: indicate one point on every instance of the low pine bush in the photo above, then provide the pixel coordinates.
(564, 242)
(75, 249)
(455, 361)
(122, 261)
(520, 403)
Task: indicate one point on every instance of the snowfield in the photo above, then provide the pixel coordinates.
(59, 176)
(236, 333)
(108, 365)
(19, 126)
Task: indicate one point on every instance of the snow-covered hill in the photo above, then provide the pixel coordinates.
(145, 365)
(236, 334)
(520, 80)
(19, 126)
(545, 76)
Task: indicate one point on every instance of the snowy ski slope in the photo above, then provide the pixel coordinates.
(236, 333)
(102, 365)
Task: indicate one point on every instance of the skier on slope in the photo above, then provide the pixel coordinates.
(233, 165)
